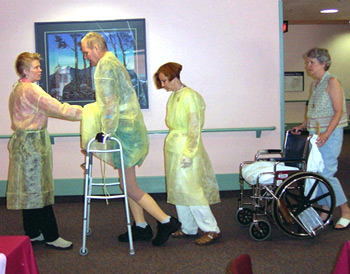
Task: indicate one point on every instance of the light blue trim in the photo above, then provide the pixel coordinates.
(152, 184)
(258, 131)
(280, 6)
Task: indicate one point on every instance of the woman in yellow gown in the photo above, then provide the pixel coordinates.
(191, 182)
(30, 184)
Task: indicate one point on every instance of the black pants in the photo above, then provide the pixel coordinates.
(41, 220)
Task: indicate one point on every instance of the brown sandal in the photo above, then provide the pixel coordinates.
(208, 238)
(181, 234)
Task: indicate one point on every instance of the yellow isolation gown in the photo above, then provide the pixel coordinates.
(195, 185)
(116, 112)
(30, 182)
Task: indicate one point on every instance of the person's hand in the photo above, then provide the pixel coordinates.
(322, 139)
(186, 162)
(296, 130)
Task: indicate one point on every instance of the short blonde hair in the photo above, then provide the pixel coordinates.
(24, 62)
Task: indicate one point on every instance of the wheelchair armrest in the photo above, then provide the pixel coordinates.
(297, 162)
(266, 152)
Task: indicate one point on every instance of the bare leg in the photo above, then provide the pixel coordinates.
(137, 211)
(150, 205)
(324, 215)
(345, 213)
(140, 201)
(145, 203)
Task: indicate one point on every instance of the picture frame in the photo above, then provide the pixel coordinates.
(294, 81)
(68, 77)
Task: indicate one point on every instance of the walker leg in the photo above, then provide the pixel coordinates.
(127, 213)
(86, 230)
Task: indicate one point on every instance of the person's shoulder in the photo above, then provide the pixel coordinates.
(191, 91)
(193, 94)
(30, 87)
(38, 88)
(108, 60)
(334, 81)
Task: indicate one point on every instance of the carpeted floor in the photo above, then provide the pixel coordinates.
(277, 254)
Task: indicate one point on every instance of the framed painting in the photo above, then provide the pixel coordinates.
(294, 81)
(68, 77)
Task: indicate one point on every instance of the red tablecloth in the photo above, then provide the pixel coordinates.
(19, 254)
(343, 263)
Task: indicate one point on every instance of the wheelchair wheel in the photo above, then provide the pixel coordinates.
(260, 230)
(244, 216)
(296, 195)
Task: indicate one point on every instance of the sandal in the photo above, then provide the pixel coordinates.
(208, 238)
(181, 234)
(345, 223)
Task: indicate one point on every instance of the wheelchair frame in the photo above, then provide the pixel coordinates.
(285, 200)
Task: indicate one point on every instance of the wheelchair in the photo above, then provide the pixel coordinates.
(283, 191)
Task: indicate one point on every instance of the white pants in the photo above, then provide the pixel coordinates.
(194, 217)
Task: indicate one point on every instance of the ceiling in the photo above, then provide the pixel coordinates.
(304, 11)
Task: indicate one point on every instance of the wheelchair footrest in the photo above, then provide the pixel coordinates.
(311, 221)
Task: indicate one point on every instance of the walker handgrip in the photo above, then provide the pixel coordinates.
(101, 137)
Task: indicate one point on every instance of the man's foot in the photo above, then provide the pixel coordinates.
(60, 244)
(138, 234)
(165, 230)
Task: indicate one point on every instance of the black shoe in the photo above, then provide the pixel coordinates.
(165, 230)
(138, 233)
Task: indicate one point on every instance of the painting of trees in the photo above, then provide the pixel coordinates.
(69, 77)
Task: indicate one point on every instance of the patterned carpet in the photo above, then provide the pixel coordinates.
(278, 254)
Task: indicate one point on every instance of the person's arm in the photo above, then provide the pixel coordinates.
(335, 91)
(106, 96)
(194, 128)
(51, 107)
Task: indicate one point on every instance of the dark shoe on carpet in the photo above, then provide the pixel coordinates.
(138, 234)
(181, 234)
(208, 238)
(165, 230)
(345, 223)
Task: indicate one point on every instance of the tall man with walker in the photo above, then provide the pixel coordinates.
(120, 115)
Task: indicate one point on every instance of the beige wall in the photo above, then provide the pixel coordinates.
(301, 38)
(229, 51)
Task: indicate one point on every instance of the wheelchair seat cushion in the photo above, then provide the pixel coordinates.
(251, 172)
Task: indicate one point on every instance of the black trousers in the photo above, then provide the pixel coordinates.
(41, 220)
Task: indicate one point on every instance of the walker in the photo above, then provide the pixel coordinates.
(106, 140)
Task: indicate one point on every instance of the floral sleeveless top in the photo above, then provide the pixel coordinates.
(320, 110)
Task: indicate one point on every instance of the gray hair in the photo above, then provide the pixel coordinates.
(321, 55)
(94, 38)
